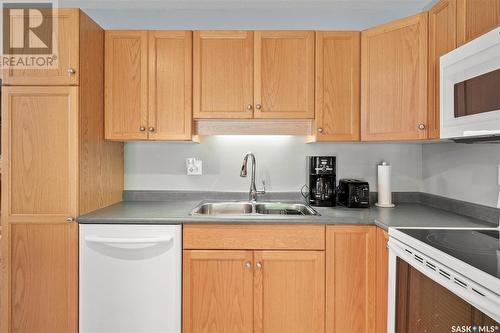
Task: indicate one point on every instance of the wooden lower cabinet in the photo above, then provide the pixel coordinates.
(382, 281)
(43, 273)
(337, 286)
(350, 278)
(218, 291)
(253, 291)
(289, 291)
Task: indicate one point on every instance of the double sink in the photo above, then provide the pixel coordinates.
(244, 208)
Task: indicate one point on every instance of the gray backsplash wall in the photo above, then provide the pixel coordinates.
(463, 172)
(281, 162)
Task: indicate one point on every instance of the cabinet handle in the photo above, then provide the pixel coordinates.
(71, 71)
(70, 219)
(151, 129)
(249, 107)
(258, 264)
(142, 128)
(421, 127)
(320, 130)
(258, 106)
(248, 265)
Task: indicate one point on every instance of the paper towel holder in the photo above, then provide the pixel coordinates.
(384, 170)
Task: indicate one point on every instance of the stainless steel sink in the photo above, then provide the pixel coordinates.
(223, 208)
(280, 208)
(252, 208)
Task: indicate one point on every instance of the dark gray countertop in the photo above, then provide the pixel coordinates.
(177, 211)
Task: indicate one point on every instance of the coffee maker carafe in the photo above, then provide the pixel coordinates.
(321, 180)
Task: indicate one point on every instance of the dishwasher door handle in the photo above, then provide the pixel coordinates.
(112, 240)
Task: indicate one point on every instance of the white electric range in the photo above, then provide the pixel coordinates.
(444, 280)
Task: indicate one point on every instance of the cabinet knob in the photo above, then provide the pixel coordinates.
(421, 126)
(248, 265)
(258, 106)
(71, 71)
(151, 129)
(70, 219)
(249, 107)
(259, 264)
(320, 130)
(142, 128)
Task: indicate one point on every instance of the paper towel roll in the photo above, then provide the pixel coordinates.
(384, 185)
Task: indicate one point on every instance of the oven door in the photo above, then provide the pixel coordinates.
(424, 296)
(470, 88)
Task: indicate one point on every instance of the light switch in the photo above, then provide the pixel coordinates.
(194, 166)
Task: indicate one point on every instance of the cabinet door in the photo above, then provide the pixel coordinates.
(476, 17)
(382, 280)
(337, 86)
(39, 148)
(223, 74)
(43, 284)
(126, 85)
(170, 84)
(65, 48)
(442, 39)
(394, 80)
(289, 291)
(350, 278)
(284, 74)
(217, 291)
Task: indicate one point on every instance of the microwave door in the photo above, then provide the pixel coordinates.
(470, 88)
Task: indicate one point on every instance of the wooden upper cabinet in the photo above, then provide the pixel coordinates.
(65, 48)
(217, 291)
(350, 279)
(476, 17)
(289, 291)
(337, 86)
(394, 80)
(223, 74)
(170, 85)
(126, 85)
(442, 39)
(39, 148)
(284, 74)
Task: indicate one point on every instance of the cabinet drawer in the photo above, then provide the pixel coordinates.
(265, 237)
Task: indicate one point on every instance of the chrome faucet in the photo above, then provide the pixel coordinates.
(252, 194)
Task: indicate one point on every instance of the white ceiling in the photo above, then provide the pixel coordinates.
(246, 14)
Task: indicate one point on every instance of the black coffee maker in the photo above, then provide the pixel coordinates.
(321, 181)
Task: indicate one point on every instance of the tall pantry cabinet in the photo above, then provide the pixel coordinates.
(56, 165)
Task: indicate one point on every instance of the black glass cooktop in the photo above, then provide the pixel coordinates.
(478, 248)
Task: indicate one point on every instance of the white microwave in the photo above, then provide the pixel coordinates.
(470, 89)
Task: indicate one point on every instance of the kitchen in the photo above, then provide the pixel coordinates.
(220, 166)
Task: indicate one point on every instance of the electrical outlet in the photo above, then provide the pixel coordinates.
(194, 166)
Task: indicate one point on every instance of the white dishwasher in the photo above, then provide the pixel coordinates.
(130, 278)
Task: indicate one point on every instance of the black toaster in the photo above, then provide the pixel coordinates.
(353, 193)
